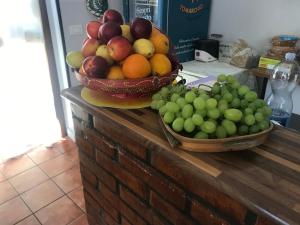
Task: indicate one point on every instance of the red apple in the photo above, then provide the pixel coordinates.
(95, 66)
(89, 47)
(119, 48)
(109, 30)
(141, 28)
(113, 16)
(92, 29)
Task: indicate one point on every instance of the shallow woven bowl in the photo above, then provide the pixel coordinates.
(131, 87)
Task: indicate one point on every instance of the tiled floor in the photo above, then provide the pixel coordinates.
(43, 187)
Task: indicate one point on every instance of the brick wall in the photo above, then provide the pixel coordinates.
(129, 184)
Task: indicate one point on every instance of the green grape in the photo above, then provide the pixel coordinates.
(208, 127)
(199, 103)
(174, 97)
(160, 104)
(213, 121)
(204, 96)
(229, 126)
(221, 132)
(244, 103)
(230, 79)
(201, 135)
(251, 96)
(172, 107)
(233, 115)
(213, 113)
(154, 105)
(259, 103)
(254, 129)
(218, 97)
(181, 102)
(221, 78)
(164, 92)
(235, 85)
(156, 96)
(248, 111)
(178, 114)
(201, 112)
(216, 89)
(190, 96)
(201, 91)
(267, 111)
(234, 94)
(243, 130)
(252, 106)
(189, 125)
(243, 90)
(197, 119)
(169, 117)
(222, 106)
(236, 103)
(249, 120)
(177, 124)
(263, 125)
(228, 97)
(187, 111)
(259, 116)
(211, 103)
(162, 110)
(224, 90)
(260, 110)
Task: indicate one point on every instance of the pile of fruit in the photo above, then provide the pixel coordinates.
(227, 109)
(114, 50)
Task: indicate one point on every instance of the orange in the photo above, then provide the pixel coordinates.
(136, 66)
(115, 73)
(155, 31)
(160, 65)
(160, 42)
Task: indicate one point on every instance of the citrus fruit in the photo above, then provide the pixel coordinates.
(160, 42)
(144, 47)
(115, 73)
(155, 31)
(136, 66)
(160, 65)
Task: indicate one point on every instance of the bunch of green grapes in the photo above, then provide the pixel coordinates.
(228, 109)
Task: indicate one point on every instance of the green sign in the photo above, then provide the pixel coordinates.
(97, 7)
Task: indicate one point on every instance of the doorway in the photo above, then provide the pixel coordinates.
(28, 115)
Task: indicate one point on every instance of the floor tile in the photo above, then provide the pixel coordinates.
(6, 191)
(57, 165)
(42, 195)
(60, 212)
(2, 177)
(73, 154)
(31, 220)
(42, 154)
(77, 197)
(69, 180)
(13, 211)
(16, 165)
(80, 221)
(28, 179)
(64, 145)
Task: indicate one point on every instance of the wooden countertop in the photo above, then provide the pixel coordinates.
(265, 179)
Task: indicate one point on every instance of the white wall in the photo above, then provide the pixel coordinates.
(256, 21)
(75, 15)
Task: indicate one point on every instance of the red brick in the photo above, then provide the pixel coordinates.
(204, 216)
(85, 147)
(121, 206)
(181, 171)
(100, 173)
(101, 143)
(122, 175)
(116, 132)
(143, 210)
(103, 202)
(154, 180)
(107, 219)
(89, 176)
(78, 127)
(168, 211)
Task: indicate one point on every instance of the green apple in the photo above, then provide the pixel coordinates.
(103, 52)
(74, 59)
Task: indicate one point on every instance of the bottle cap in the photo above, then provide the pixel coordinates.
(290, 56)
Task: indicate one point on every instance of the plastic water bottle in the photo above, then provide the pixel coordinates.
(283, 82)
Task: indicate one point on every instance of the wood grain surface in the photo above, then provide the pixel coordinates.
(265, 179)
